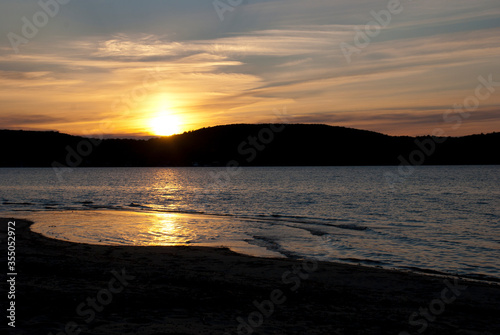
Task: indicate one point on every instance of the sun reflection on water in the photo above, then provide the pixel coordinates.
(112, 227)
(167, 229)
(116, 227)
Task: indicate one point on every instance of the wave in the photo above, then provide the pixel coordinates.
(12, 203)
(138, 207)
(363, 261)
(272, 245)
(329, 222)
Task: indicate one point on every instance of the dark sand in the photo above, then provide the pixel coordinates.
(194, 290)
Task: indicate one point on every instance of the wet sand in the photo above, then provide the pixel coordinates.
(70, 288)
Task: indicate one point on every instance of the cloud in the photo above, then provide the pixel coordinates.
(265, 54)
(16, 121)
(18, 75)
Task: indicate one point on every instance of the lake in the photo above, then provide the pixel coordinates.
(439, 218)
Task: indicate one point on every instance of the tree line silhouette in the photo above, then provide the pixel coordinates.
(247, 145)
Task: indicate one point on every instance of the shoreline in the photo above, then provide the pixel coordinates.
(248, 250)
(204, 290)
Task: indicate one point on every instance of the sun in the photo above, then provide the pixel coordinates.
(165, 125)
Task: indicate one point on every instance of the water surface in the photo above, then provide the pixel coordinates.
(440, 218)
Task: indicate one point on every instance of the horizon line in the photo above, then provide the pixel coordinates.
(152, 136)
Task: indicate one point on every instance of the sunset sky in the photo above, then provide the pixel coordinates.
(136, 68)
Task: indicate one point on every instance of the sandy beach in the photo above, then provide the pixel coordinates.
(69, 288)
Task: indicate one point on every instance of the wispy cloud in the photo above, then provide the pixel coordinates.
(265, 54)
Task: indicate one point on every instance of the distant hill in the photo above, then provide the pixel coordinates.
(247, 145)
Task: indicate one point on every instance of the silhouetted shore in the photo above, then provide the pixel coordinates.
(62, 287)
(247, 145)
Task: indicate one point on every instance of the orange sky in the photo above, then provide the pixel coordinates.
(160, 68)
